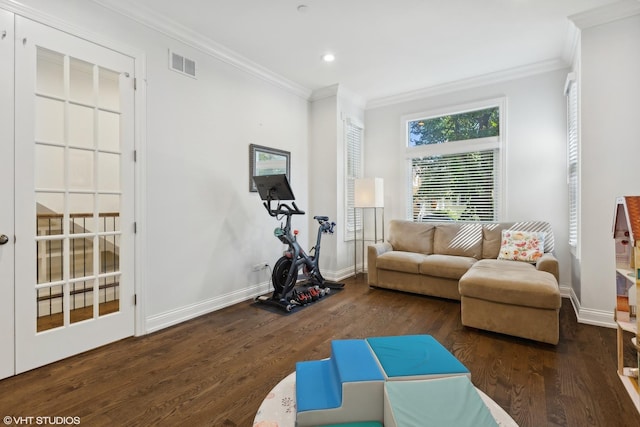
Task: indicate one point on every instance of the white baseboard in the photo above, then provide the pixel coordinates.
(173, 317)
(588, 316)
(182, 314)
(336, 276)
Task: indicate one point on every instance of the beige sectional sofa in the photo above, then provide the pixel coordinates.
(459, 260)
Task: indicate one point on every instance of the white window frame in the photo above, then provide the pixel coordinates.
(572, 92)
(350, 214)
(453, 147)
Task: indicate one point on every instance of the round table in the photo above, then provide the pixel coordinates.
(278, 409)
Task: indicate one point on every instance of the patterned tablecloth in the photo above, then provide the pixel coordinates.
(278, 409)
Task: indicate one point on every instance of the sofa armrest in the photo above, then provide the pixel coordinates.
(373, 251)
(549, 263)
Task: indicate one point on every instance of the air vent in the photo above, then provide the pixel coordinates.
(182, 64)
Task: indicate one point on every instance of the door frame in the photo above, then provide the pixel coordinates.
(7, 205)
(140, 137)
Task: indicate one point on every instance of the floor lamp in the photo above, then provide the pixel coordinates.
(368, 194)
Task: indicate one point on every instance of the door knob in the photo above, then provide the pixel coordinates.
(3, 239)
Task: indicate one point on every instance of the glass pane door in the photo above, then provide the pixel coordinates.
(74, 191)
(77, 186)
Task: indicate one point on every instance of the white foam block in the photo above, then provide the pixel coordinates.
(361, 401)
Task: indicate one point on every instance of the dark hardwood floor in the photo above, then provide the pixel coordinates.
(215, 370)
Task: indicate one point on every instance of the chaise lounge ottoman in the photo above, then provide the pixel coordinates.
(511, 297)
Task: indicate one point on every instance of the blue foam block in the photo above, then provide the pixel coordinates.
(317, 386)
(414, 356)
(319, 382)
(354, 361)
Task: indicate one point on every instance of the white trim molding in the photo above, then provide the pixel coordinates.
(588, 316)
(75, 30)
(339, 91)
(174, 30)
(571, 43)
(182, 314)
(472, 82)
(605, 14)
(325, 92)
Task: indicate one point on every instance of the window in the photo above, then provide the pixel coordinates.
(454, 161)
(571, 91)
(353, 170)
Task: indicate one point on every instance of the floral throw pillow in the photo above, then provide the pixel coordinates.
(525, 246)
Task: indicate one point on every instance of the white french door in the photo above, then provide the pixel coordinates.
(6, 196)
(74, 201)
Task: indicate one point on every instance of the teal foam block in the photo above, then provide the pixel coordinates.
(414, 356)
(450, 401)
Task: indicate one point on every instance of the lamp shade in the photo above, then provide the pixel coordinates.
(369, 193)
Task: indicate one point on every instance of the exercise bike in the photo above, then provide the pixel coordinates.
(285, 272)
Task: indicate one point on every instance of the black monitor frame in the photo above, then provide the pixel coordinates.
(273, 187)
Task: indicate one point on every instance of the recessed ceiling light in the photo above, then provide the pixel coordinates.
(328, 57)
(303, 8)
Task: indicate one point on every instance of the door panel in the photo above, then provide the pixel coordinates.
(74, 195)
(6, 195)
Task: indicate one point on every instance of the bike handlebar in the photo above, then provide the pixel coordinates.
(326, 226)
(283, 209)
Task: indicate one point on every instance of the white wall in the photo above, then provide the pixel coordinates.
(203, 229)
(323, 171)
(610, 143)
(329, 109)
(535, 150)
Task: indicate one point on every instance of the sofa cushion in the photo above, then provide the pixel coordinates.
(492, 235)
(408, 262)
(527, 246)
(511, 282)
(458, 239)
(447, 266)
(504, 264)
(492, 239)
(409, 236)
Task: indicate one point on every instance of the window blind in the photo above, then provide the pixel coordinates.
(572, 160)
(458, 186)
(455, 157)
(354, 170)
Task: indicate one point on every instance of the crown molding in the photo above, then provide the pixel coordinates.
(324, 92)
(605, 14)
(352, 97)
(339, 91)
(29, 12)
(571, 43)
(473, 82)
(179, 32)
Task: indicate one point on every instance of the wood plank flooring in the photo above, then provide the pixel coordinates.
(215, 370)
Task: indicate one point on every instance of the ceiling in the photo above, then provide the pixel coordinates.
(383, 48)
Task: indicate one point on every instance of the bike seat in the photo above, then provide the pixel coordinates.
(321, 218)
